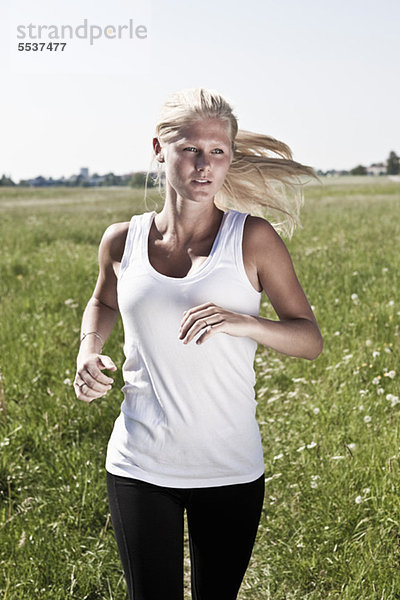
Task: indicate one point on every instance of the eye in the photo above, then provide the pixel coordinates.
(190, 148)
(218, 151)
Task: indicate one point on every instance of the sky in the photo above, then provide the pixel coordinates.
(321, 76)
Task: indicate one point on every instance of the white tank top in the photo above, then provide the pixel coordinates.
(188, 414)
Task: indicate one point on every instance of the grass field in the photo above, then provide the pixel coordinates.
(331, 521)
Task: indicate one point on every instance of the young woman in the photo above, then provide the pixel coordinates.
(187, 282)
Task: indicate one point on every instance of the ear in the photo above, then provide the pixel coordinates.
(158, 149)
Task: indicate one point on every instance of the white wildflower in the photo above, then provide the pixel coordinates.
(376, 380)
(71, 303)
(358, 499)
(355, 298)
(391, 303)
(316, 410)
(67, 381)
(311, 445)
(375, 354)
(272, 399)
(380, 391)
(368, 343)
(391, 374)
(314, 481)
(392, 399)
(367, 419)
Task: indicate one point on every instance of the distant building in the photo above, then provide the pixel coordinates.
(376, 169)
(84, 172)
(96, 179)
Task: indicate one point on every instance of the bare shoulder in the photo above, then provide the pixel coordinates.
(112, 244)
(259, 238)
(276, 274)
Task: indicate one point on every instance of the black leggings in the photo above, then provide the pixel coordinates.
(148, 526)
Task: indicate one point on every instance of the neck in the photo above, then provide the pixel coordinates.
(187, 219)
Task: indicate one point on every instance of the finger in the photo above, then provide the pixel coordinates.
(107, 363)
(86, 397)
(208, 333)
(78, 381)
(95, 372)
(205, 315)
(83, 377)
(200, 307)
(82, 391)
(92, 387)
(203, 324)
(95, 384)
(194, 330)
(87, 394)
(196, 310)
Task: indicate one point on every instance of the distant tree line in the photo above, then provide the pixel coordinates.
(137, 180)
(392, 166)
(6, 181)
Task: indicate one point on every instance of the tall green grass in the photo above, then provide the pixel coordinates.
(330, 428)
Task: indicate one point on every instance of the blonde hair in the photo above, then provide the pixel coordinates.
(262, 179)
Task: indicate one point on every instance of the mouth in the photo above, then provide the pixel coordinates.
(201, 181)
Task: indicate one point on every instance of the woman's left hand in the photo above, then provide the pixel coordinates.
(213, 319)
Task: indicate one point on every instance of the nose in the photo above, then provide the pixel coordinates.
(202, 162)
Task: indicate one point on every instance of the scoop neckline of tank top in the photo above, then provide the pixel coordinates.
(202, 267)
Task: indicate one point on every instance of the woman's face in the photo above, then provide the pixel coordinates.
(196, 163)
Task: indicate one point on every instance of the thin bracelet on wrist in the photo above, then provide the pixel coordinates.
(92, 333)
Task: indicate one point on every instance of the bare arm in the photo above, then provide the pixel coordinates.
(269, 267)
(297, 332)
(99, 319)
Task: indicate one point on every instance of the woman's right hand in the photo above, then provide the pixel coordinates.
(90, 382)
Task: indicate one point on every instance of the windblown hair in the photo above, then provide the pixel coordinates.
(262, 179)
